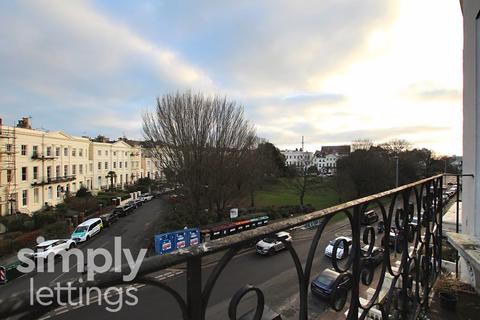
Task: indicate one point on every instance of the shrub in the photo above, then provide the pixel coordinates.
(16, 222)
(6, 247)
(56, 230)
(26, 240)
(43, 218)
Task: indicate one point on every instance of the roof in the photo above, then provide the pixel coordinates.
(89, 222)
(340, 150)
(47, 243)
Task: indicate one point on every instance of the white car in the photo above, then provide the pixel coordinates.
(146, 197)
(53, 247)
(341, 252)
(87, 229)
(273, 244)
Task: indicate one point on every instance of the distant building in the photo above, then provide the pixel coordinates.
(39, 168)
(326, 159)
(298, 158)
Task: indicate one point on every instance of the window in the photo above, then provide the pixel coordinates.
(9, 148)
(24, 173)
(24, 198)
(24, 149)
(35, 172)
(120, 164)
(126, 164)
(74, 152)
(9, 175)
(57, 151)
(35, 151)
(65, 152)
(50, 193)
(106, 152)
(57, 171)
(106, 165)
(80, 168)
(126, 153)
(74, 169)
(91, 167)
(114, 165)
(49, 172)
(114, 153)
(65, 170)
(80, 152)
(99, 181)
(35, 195)
(99, 152)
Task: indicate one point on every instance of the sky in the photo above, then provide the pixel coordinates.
(331, 70)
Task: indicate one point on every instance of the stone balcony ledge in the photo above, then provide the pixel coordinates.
(468, 248)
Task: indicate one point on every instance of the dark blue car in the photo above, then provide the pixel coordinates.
(328, 282)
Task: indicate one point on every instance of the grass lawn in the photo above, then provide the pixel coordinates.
(281, 192)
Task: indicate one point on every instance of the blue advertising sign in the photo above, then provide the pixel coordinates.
(171, 241)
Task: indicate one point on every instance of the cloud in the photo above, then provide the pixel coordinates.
(429, 90)
(66, 53)
(316, 137)
(317, 98)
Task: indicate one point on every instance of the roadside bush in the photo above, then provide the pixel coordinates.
(25, 240)
(6, 247)
(56, 230)
(29, 225)
(44, 218)
(11, 235)
(16, 222)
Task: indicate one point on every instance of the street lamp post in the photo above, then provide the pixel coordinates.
(396, 171)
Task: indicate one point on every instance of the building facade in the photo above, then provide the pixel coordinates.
(326, 158)
(40, 168)
(298, 158)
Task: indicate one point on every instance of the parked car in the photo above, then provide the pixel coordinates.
(52, 247)
(328, 281)
(341, 251)
(146, 197)
(272, 245)
(123, 210)
(368, 217)
(374, 258)
(395, 239)
(109, 218)
(136, 202)
(87, 229)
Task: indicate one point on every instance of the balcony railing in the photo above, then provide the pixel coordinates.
(37, 156)
(404, 278)
(53, 180)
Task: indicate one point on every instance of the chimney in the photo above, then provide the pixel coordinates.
(24, 123)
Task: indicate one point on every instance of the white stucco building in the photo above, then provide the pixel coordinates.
(298, 158)
(39, 168)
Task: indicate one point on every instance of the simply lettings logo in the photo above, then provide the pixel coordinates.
(93, 261)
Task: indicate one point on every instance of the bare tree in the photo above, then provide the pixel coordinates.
(396, 146)
(202, 142)
(361, 144)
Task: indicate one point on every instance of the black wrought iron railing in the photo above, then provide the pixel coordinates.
(412, 219)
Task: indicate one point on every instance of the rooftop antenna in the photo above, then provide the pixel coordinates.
(302, 143)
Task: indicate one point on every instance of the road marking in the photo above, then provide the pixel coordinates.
(62, 274)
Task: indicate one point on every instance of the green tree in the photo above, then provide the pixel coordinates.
(112, 176)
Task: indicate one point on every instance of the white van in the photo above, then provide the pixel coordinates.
(87, 229)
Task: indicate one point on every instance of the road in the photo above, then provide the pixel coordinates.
(131, 229)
